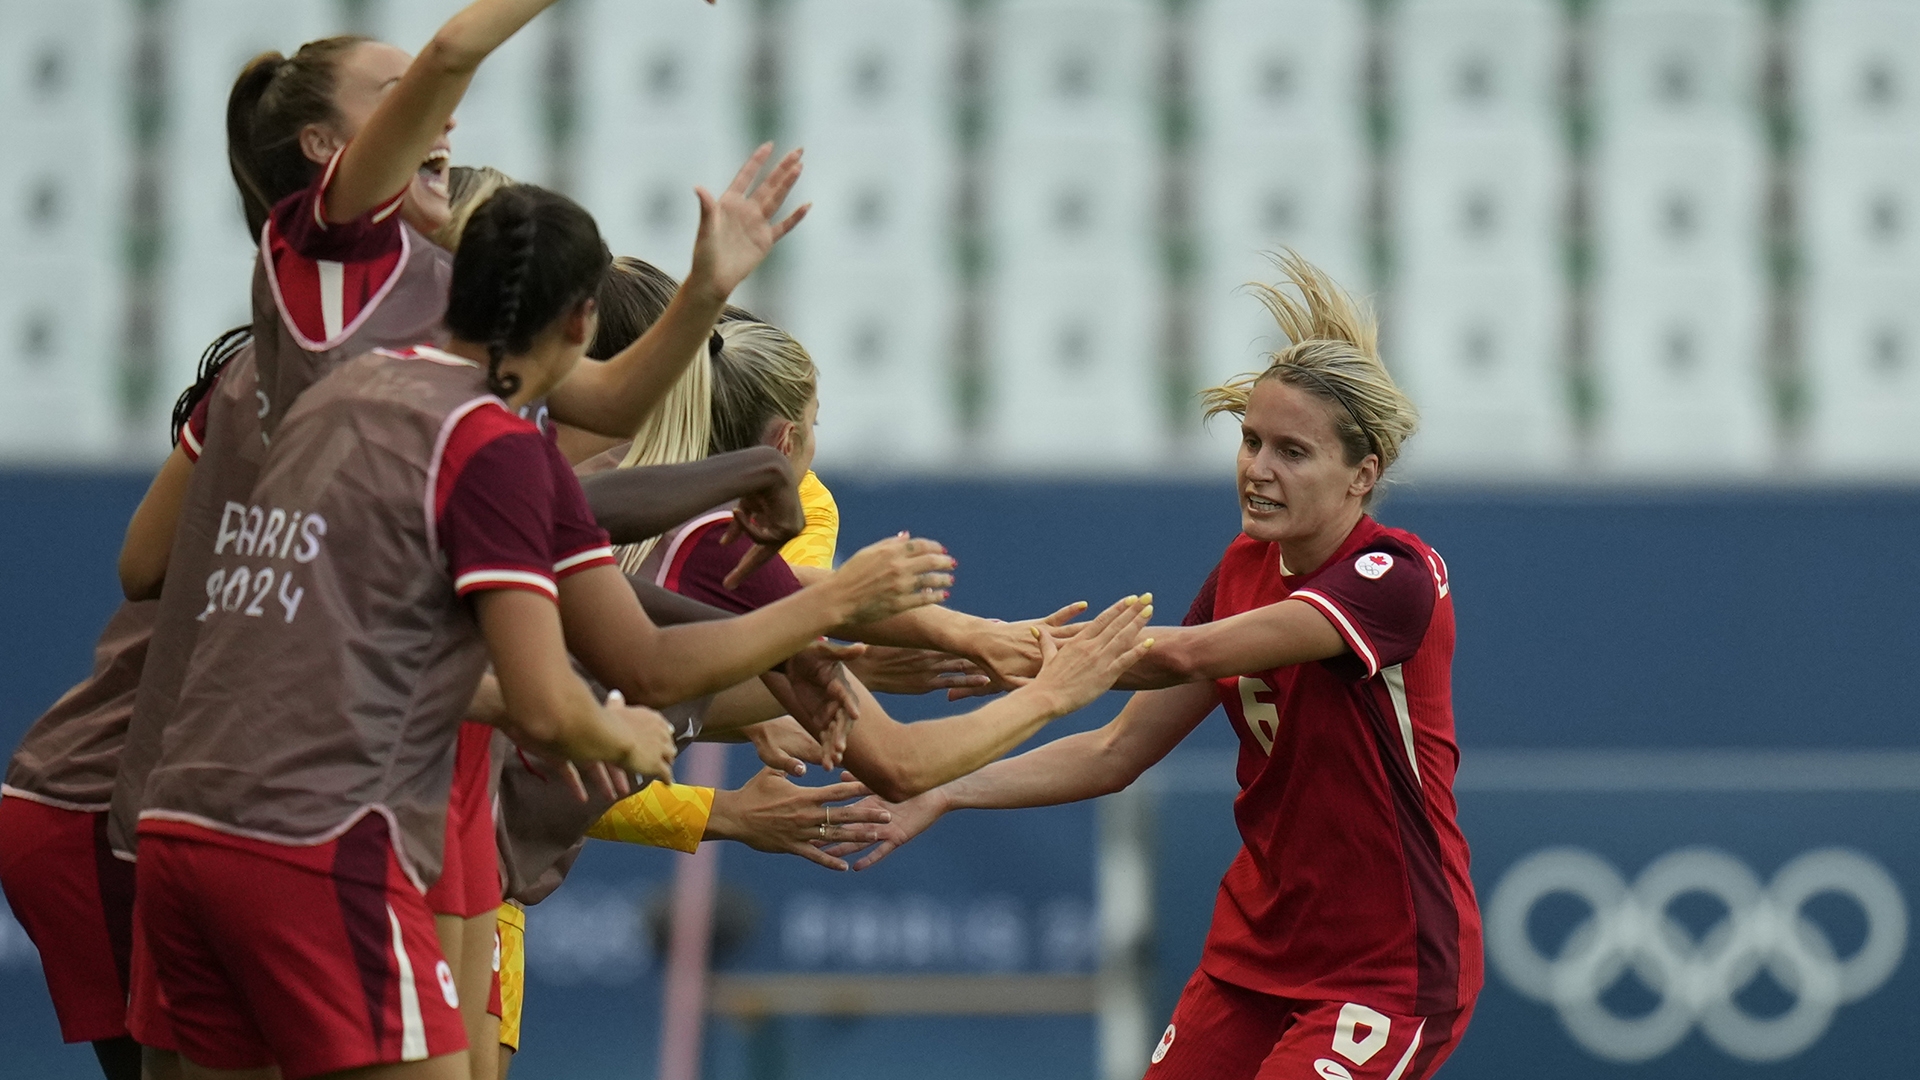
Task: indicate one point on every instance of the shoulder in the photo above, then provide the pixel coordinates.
(485, 436)
(1400, 547)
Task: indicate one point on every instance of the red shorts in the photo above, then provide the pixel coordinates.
(75, 901)
(1225, 1032)
(469, 884)
(315, 958)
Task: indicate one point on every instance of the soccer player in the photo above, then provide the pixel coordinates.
(73, 898)
(1346, 938)
(289, 833)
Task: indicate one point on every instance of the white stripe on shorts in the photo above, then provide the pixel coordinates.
(413, 1031)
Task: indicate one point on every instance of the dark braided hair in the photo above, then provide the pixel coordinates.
(528, 256)
(212, 363)
(520, 238)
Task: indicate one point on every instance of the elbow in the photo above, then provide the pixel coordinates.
(890, 779)
(139, 582)
(895, 788)
(451, 52)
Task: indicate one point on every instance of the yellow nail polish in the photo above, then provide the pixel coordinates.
(1149, 611)
(1148, 597)
(1148, 643)
(1129, 599)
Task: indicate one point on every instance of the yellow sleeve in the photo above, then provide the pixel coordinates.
(658, 815)
(814, 546)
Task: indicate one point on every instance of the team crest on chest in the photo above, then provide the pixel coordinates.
(1373, 565)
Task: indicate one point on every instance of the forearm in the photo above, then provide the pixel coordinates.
(932, 627)
(382, 158)
(1276, 635)
(899, 761)
(1063, 771)
(1173, 660)
(613, 397)
(668, 608)
(679, 663)
(634, 504)
(1091, 763)
(737, 708)
(477, 30)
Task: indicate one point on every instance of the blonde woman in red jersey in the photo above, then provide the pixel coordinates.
(1346, 938)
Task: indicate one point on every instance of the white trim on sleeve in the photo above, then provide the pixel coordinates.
(604, 551)
(540, 582)
(1356, 640)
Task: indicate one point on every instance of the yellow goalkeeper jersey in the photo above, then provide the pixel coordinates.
(815, 544)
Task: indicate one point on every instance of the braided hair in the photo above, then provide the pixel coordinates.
(212, 363)
(528, 256)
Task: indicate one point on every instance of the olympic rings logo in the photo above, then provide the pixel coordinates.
(1631, 929)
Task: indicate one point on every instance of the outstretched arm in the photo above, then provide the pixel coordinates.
(1082, 766)
(634, 504)
(737, 230)
(411, 117)
(612, 636)
(900, 761)
(1277, 635)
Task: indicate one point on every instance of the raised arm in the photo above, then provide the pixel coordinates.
(737, 230)
(411, 117)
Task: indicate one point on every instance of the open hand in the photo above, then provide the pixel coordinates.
(814, 688)
(1088, 664)
(897, 574)
(784, 746)
(651, 750)
(905, 821)
(738, 227)
(771, 813)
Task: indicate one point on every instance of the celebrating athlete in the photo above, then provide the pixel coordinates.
(1346, 937)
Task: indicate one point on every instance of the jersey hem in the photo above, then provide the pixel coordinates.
(8, 790)
(394, 835)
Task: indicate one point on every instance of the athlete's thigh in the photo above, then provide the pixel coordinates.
(1345, 1040)
(1219, 1032)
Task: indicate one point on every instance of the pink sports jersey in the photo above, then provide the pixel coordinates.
(1351, 883)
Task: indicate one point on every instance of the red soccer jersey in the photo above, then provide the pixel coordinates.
(327, 277)
(696, 564)
(1351, 883)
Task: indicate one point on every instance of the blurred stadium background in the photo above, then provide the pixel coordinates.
(1650, 268)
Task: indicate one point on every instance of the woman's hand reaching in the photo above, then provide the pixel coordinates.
(738, 227)
(771, 813)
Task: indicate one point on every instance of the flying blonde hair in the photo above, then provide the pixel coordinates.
(1332, 353)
